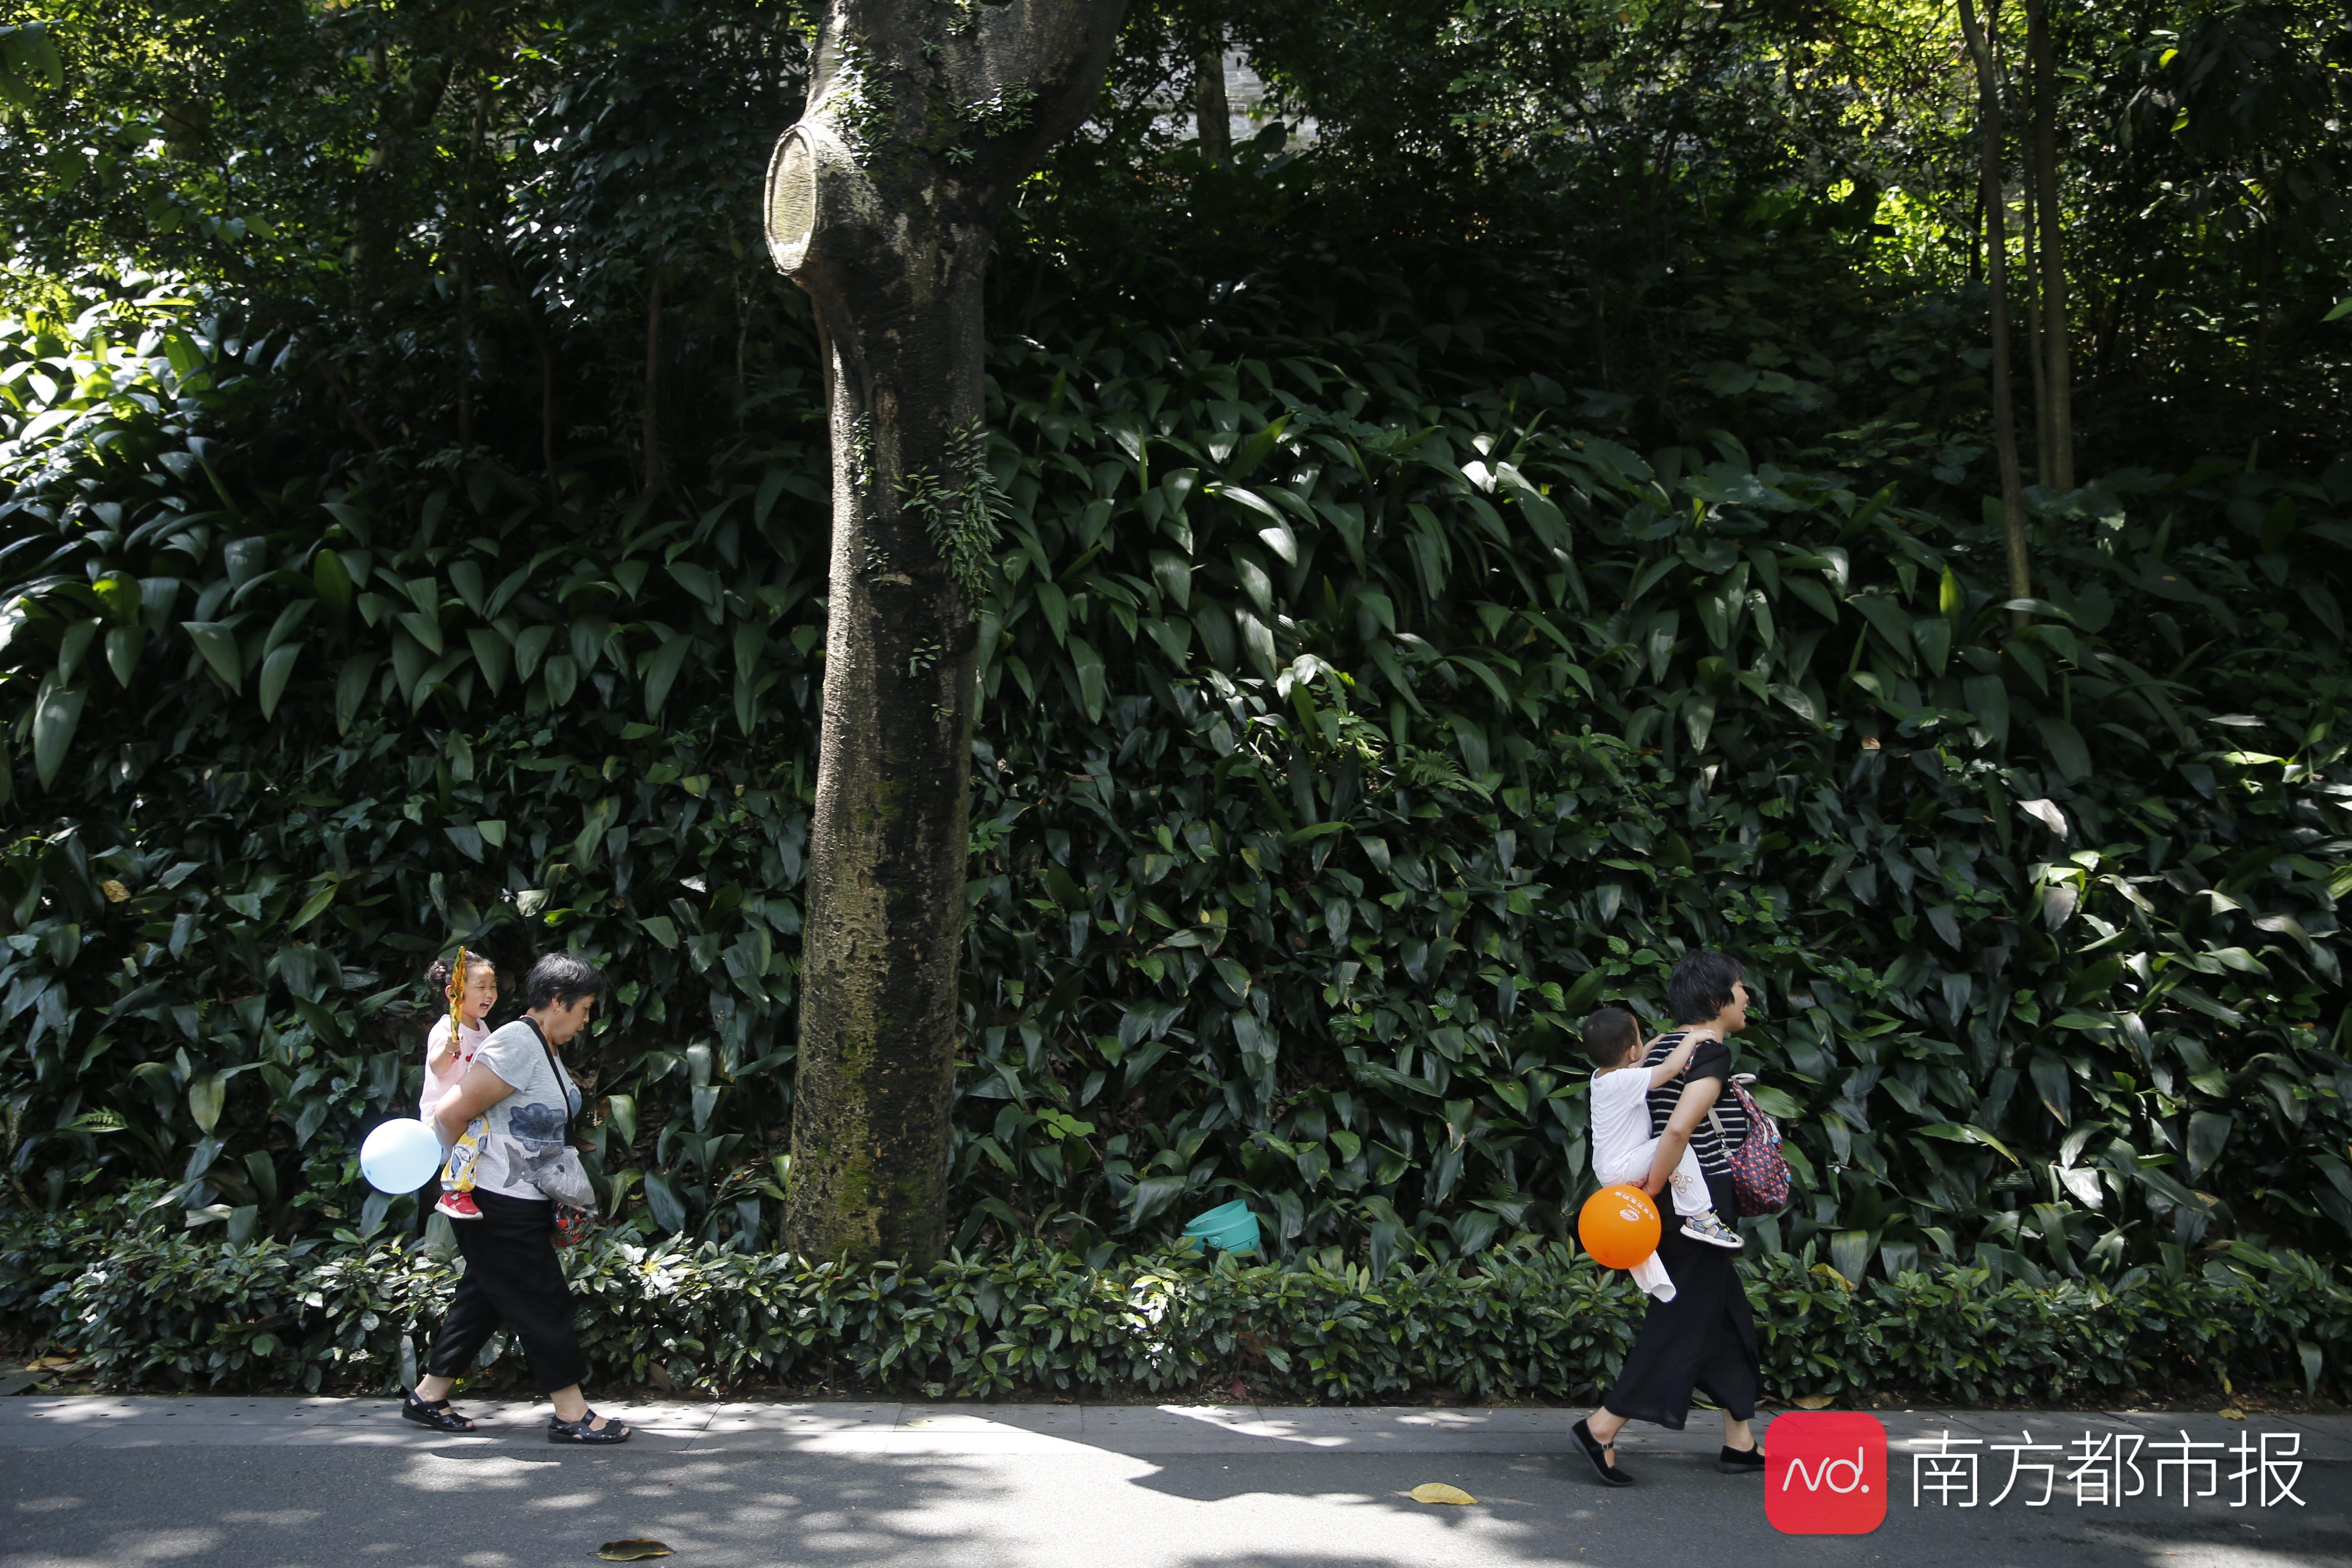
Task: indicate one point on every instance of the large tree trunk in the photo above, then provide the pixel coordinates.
(1996, 218)
(882, 203)
(2057, 355)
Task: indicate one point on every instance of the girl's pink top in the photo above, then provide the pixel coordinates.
(470, 1040)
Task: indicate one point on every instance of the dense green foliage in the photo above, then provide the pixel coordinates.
(429, 546)
(1330, 765)
(145, 1307)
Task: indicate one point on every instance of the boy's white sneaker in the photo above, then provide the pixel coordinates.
(1714, 1232)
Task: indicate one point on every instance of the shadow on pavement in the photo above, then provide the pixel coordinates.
(764, 1499)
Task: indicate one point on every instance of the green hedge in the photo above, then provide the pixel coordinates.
(155, 1307)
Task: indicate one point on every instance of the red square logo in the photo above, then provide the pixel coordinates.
(1825, 1473)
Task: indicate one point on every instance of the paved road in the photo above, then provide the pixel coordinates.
(279, 1483)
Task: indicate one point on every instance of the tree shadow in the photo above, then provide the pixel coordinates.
(773, 1501)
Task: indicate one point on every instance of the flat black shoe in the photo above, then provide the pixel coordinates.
(1610, 1476)
(1740, 1461)
(584, 1430)
(436, 1414)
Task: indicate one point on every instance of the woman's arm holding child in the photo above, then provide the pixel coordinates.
(1697, 1098)
(476, 1092)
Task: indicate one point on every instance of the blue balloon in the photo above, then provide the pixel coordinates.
(400, 1156)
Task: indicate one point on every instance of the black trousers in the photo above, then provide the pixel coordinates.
(1704, 1338)
(511, 1278)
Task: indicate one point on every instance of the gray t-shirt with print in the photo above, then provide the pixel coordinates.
(529, 1122)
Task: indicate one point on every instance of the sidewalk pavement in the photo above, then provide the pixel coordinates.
(96, 1480)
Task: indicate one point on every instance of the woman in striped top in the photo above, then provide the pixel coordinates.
(1706, 1337)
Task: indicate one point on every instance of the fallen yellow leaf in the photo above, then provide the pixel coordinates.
(631, 1551)
(1438, 1491)
(2232, 1413)
(1815, 1401)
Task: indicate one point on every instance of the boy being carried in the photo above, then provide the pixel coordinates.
(1623, 1145)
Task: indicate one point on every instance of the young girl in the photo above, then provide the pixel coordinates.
(450, 1052)
(1623, 1146)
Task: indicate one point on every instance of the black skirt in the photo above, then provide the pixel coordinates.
(1703, 1339)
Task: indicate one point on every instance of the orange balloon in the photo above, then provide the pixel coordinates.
(1619, 1225)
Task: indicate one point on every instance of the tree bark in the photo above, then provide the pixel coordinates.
(882, 203)
(1996, 251)
(527, 308)
(469, 224)
(2057, 361)
(1211, 113)
(653, 451)
(2036, 361)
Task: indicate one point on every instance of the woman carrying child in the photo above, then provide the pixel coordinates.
(1700, 1335)
(524, 1100)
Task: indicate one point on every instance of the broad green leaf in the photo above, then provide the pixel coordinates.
(1987, 697)
(1250, 501)
(2207, 1130)
(491, 653)
(425, 628)
(1255, 449)
(275, 671)
(1093, 682)
(662, 1199)
(76, 645)
(466, 576)
(206, 1095)
(410, 661)
(563, 677)
(1055, 606)
(290, 617)
(123, 647)
(57, 710)
(1891, 621)
(771, 486)
(530, 648)
(2064, 745)
(217, 642)
(661, 668)
(1173, 574)
(1935, 640)
(1257, 637)
(351, 686)
(315, 905)
(332, 580)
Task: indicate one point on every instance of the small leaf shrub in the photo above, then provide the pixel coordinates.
(159, 1308)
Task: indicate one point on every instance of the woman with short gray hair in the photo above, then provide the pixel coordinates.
(514, 1107)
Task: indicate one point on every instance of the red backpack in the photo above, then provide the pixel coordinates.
(1760, 1172)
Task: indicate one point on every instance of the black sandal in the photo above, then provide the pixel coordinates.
(1740, 1461)
(1610, 1476)
(434, 1414)
(585, 1430)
